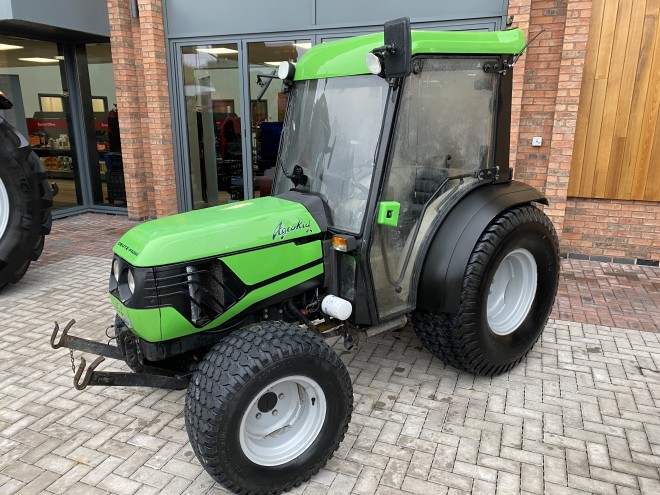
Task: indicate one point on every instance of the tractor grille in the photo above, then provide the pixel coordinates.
(201, 291)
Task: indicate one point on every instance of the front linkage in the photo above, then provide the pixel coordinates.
(156, 377)
(149, 376)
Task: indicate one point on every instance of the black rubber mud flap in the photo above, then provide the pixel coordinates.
(441, 276)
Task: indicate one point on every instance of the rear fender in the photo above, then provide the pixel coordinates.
(441, 278)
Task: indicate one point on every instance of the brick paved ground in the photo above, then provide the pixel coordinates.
(581, 414)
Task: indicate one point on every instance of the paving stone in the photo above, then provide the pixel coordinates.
(394, 473)
(577, 462)
(581, 409)
(38, 485)
(508, 483)
(119, 485)
(598, 455)
(84, 489)
(531, 478)
(367, 458)
(368, 481)
(22, 472)
(591, 486)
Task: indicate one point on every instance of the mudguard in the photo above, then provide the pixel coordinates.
(441, 278)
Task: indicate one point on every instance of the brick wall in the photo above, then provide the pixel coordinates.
(138, 52)
(539, 91)
(612, 228)
(519, 10)
(546, 105)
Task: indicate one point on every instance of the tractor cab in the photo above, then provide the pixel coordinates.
(392, 151)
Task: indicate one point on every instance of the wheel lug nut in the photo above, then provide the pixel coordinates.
(258, 415)
(281, 396)
(274, 412)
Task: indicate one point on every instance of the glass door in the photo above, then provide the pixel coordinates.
(214, 129)
(107, 171)
(268, 106)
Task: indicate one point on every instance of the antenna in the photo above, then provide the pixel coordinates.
(515, 59)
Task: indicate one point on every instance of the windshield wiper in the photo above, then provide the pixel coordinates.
(265, 84)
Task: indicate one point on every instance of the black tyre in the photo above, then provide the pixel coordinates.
(508, 291)
(25, 202)
(267, 408)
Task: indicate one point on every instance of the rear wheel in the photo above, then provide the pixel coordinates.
(267, 408)
(25, 202)
(508, 291)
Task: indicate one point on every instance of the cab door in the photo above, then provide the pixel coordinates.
(443, 135)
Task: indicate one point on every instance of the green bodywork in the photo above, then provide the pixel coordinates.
(215, 231)
(347, 57)
(255, 239)
(158, 324)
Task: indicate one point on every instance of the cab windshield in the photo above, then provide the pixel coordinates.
(331, 131)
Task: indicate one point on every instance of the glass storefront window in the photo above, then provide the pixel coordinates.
(215, 123)
(267, 112)
(213, 114)
(31, 75)
(108, 187)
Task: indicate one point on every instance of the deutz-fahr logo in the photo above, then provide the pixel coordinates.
(130, 250)
(281, 231)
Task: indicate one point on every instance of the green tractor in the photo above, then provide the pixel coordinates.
(393, 200)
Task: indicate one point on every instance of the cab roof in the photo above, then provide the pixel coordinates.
(346, 57)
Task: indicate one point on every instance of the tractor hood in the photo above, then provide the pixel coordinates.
(215, 231)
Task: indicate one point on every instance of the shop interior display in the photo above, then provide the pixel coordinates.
(34, 75)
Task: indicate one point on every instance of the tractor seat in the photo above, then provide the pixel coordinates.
(427, 181)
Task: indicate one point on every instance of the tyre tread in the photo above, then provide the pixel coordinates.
(451, 337)
(27, 242)
(228, 366)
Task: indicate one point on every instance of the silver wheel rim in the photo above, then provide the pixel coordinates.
(512, 292)
(4, 208)
(282, 421)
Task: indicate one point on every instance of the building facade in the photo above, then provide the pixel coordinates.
(194, 132)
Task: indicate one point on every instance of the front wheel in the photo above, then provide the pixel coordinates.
(508, 291)
(267, 408)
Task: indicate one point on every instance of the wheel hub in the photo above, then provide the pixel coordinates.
(267, 402)
(282, 421)
(4, 208)
(512, 292)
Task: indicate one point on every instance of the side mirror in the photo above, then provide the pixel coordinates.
(398, 48)
(5, 104)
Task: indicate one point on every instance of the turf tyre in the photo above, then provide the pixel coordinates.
(223, 390)
(466, 339)
(26, 205)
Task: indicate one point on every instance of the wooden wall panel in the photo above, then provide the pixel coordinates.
(616, 154)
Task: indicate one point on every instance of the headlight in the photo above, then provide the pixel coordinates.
(115, 269)
(131, 281)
